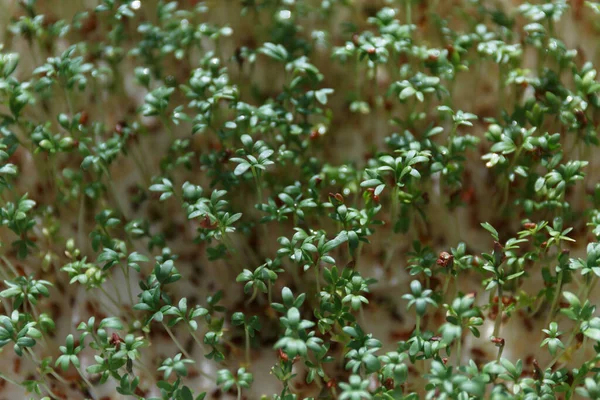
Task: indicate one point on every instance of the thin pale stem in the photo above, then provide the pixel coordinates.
(88, 383)
(458, 351)
(498, 322)
(7, 379)
(247, 334)
(110, 298)
(179, 346)
(317, 279)
(128, 284)
(10, 266)
(116, 289)
(556, 297)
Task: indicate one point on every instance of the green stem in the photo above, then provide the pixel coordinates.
(446, 284)
(254, 293)
(115, 194)
(88, 383)
(500, 88)
(174, 339)
(458, 351)
(247, 334)
(198, 341)
(557, 293)
(7, 379)
(58, 377)
(127, 283)
(269, 296)
(81, 242)
(393, 217)
(591, 287)
(165, 121)
(114, 285)
(376, 87)
(317, 279)
(500, 350)
(500, 310)
(10, 266)
(395, 205)
(49, 391)
(110, 298)
(258, 181)
(69, 102)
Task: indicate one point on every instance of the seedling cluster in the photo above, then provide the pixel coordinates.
(299, 199)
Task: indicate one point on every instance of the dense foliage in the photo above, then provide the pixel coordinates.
(299, 199)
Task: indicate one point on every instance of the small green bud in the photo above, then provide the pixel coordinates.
(66, 143)
(47, 262)
(46, 144)
(63, 120)
(143, 76)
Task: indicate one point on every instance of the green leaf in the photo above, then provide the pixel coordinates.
(490, 229)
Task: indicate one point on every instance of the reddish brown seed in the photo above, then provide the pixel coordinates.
(115, 339)
(529, 359)
(581, 118)
(371, 50)
(498, 341)
(282, 356)
(140, 392)
(389, 384)
(119, 127)
(445, 260)
(206, 223)
(83, 118)
(529, 225)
